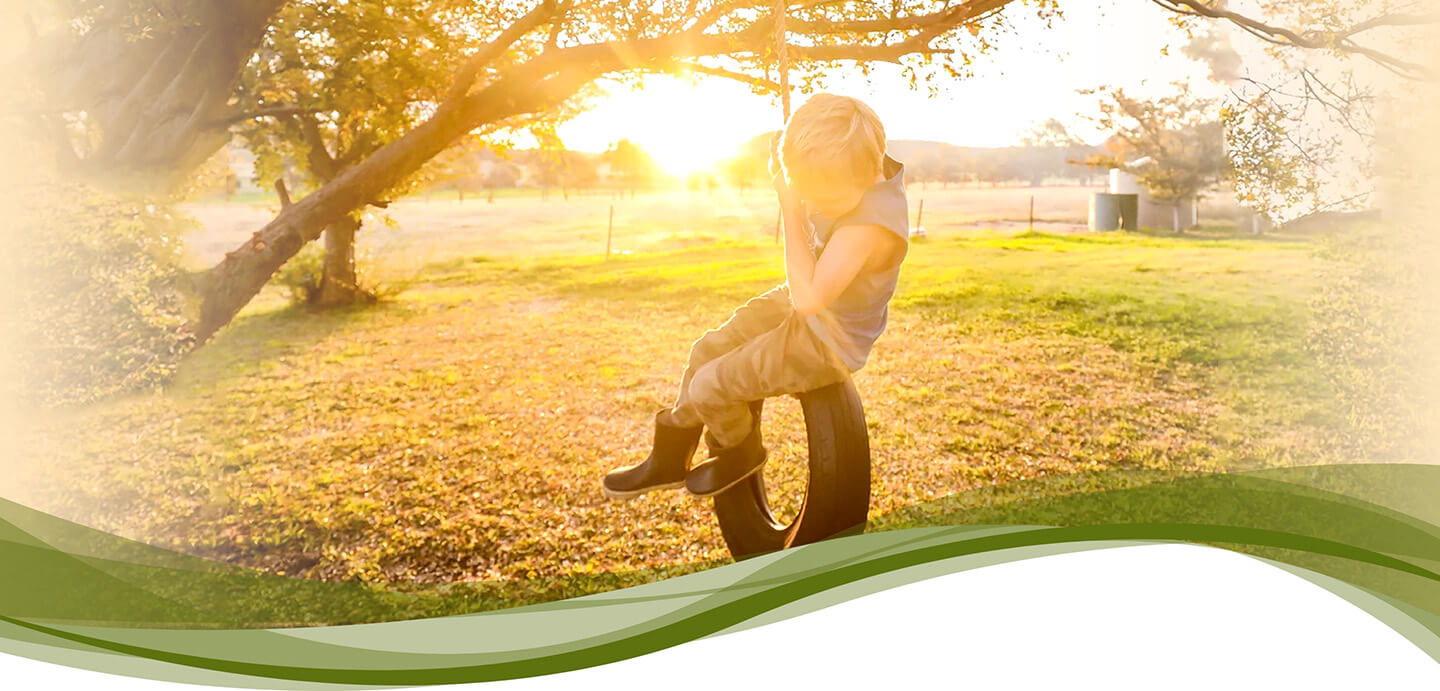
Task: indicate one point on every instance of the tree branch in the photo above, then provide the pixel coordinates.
(1391, 20)
(948, 19)
(718, 12)
(683, 66)
(1316, 39)
(540, 15)
(547, 77)
(321, 163)
(276, 112)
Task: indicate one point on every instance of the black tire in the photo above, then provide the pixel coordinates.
(837, 496)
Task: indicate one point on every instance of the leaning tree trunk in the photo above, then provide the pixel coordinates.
(338, 284)
(232, 283)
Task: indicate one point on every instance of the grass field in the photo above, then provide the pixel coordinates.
(439, 227)
(459, 431)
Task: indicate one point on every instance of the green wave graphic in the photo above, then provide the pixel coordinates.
(1366, 532)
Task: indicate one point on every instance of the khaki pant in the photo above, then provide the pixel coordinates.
(765, 349)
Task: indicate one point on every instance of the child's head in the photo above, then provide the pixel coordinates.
(832, 150)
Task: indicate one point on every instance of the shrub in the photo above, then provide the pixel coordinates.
(301, 274)
(101, 303)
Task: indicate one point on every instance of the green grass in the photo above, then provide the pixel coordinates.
(1236, 306)
(460, 430)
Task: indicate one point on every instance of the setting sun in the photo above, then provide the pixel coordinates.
(685, 127)
(681, 153)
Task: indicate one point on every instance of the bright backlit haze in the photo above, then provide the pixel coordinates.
(1029, 77)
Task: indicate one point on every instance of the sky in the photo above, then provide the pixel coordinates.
(1030, 76)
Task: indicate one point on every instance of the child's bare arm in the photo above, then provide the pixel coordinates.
(815, 284)
(850, 250)
(799, 263)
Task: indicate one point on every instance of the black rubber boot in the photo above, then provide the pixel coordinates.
(663, 469)
(727, 467)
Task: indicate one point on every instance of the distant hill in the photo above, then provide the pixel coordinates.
(929, 161)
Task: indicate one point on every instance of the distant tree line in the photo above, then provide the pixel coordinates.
(624, 167)
(1034, 163)
(1031, 164)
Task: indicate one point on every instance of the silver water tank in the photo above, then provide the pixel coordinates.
(1114, 211)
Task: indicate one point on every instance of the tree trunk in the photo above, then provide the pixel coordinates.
(338, 284)
(159, 103)
(232, 283)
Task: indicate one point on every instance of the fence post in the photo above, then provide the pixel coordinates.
(1032, 213)
(609, 230)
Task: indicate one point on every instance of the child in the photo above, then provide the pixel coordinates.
(846, 234)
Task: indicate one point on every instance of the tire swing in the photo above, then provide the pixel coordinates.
(837, 494)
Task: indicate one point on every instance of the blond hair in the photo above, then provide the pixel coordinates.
(833, 138)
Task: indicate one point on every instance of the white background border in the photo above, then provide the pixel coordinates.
(1140, 617)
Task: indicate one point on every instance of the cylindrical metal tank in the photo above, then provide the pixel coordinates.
(1114, 211)
(1122, 182)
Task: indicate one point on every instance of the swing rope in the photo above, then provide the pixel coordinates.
(782, 67)
(782, 57)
